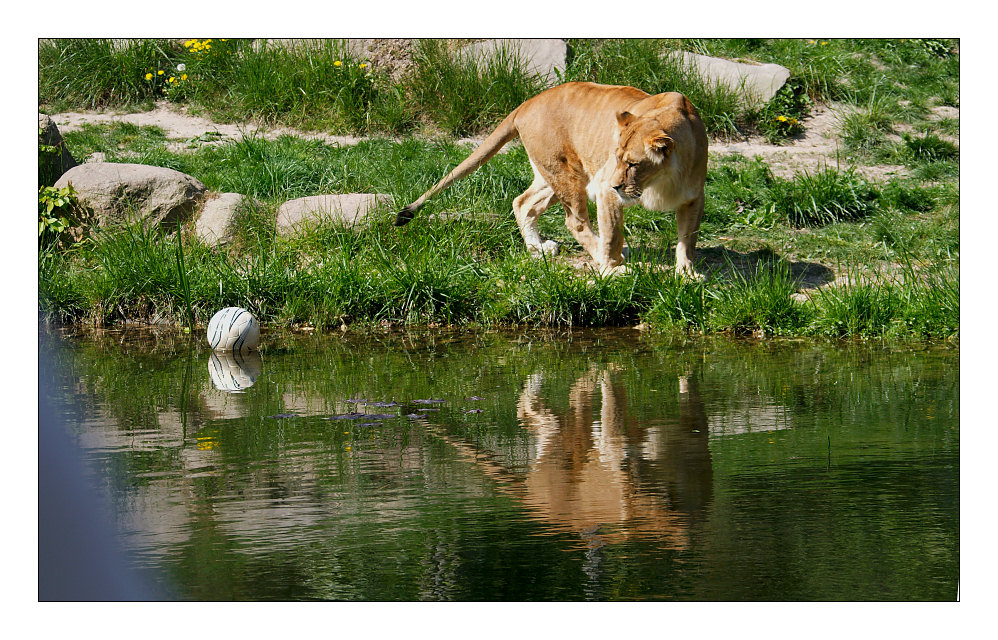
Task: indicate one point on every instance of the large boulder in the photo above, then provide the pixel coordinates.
(110, 192)
(541, 56)
(349, 209)
(216, 222)
(51, 165)
(757, 83)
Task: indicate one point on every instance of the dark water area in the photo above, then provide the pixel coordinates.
(594, 465)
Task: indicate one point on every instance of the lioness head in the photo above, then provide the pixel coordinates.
(642, 149)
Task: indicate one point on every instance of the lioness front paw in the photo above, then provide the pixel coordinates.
(619, 270)
(546, 248)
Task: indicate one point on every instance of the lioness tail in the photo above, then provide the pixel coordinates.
(505, 132)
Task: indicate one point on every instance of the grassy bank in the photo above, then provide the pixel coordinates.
(767, 242)
(470, 268)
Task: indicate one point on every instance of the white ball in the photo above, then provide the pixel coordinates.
(233, 329)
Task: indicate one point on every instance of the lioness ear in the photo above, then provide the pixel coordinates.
(624, 118)
(658, 146)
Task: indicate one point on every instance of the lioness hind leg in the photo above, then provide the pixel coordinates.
(577, 221)
(688, 218)
(528, 207)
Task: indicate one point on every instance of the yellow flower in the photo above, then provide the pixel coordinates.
(824, 42)
(160, 72)
(183, 77)
(363, 65)
(172, 79)
(148, 76)
(189, 43)
(781, 118)
(337, 63)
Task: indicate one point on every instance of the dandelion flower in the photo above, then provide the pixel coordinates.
(160, 72)
(183, 77)
(172, 79)
(824, 42)
(337, 63)
(363, 65)
(781, 118)
(148, 76)
(181, 67)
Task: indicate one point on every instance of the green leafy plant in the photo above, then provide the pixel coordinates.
(55, 212)
(781, 117)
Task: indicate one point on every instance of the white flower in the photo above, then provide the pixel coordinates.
(181, 67)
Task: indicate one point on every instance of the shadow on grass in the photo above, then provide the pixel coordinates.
(718, 262)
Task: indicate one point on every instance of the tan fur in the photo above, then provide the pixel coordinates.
(616, 145)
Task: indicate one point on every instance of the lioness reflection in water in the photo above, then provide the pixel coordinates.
(603, 474)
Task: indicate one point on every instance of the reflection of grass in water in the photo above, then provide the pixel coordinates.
(851, 394)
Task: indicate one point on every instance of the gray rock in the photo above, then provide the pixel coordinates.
(347, 208)
(52, 165)
(215, 223)
(758, 83)
(112, 192)
(540, 55)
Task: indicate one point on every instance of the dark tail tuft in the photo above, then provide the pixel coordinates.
(405, 215)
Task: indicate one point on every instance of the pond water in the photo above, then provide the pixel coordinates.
(594, 465)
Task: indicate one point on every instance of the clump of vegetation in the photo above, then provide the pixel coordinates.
(825, 196)
(56, 213)
(761, 303)
(464, 95)
(782, 117)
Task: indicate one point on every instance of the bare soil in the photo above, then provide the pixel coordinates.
(817, 148)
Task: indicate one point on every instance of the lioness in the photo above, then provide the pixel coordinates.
(616, 145)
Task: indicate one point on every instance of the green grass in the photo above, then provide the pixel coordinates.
(828, 195)
(95, 73)
(463, 96)
(641, 63)
(462, 261)
(759, 303)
